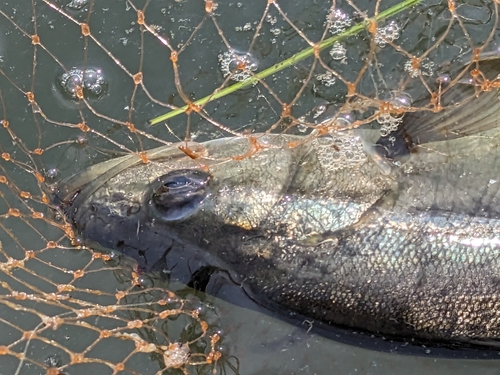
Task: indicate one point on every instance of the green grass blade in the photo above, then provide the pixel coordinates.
(308, 52)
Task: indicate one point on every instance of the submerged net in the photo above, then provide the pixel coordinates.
(82, 81)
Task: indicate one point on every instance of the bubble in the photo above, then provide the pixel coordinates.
(338, 51)
(54, 362)
(401, 100)
(52, 175)
(237, 65)
(344, 120)
(337, 20)
(319, 110)
(328, 78)
(272, 20)
(339, 149)
(340, 121)
(81, 140)
(77, 4)
(302, 128)
(275, 31)
(443, 79)
(388, 33)
(176, 355)
(92, 82)
(426, 68)
(145, 281)
(389, 123)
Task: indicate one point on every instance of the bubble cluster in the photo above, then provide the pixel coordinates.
(271, 19)
(176, 355)
(388, 33)
(328, 78)
(338, 52)
(238, 66)
(91, 82)
(246, 27)
(337, 20)
(389, 123)
(426, 68)
(77, 4)
(339, 149)
(301, 127)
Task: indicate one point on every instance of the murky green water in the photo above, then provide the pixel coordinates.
(261, 343)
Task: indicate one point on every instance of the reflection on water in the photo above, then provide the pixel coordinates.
(59, 115)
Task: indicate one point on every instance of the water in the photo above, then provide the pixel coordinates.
(57, 134)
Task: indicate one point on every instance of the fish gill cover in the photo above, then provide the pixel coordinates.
(83, 81)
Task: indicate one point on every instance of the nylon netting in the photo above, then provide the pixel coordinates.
(82, 81)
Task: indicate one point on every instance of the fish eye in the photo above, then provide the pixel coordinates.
(178, 194)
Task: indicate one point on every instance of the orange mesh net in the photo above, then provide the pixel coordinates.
(82, 81)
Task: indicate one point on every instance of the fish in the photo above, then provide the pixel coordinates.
(399, 237)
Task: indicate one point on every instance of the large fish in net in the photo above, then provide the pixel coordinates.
(84, 82)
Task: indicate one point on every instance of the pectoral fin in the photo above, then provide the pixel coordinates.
(386, 202)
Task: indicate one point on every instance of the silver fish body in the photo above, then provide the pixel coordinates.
(320, 230)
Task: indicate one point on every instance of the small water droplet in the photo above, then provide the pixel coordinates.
(443, 79)
(145, 281)
(78, 241)
(271, 19)
(401, 100)
(52, 175)
(53, 361)
(81, 140)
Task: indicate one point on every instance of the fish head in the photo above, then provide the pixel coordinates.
(144, 209)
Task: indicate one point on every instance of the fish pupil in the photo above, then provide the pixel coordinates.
(177, 182)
